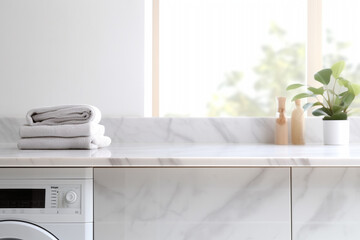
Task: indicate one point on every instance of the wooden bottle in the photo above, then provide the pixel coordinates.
(297, 124)
(281, 130)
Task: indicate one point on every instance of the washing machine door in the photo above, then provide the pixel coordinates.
(18, 230)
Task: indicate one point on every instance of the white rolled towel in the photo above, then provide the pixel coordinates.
(68, 130)
(65, 114)
(92, 142)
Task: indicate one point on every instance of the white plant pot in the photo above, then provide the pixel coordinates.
(336, 132)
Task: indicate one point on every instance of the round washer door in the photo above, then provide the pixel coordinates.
(17, 230)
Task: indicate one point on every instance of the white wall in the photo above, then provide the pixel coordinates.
(72, 51)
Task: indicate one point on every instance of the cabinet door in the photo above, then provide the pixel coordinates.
(326, 203)
(192, 203)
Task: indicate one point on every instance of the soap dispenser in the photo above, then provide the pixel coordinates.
(297, 124)
(281, 131)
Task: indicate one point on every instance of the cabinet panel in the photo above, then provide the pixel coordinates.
(326, 203)
(192, 203)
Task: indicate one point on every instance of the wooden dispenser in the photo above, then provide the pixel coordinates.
(297, 124)
(281, 130)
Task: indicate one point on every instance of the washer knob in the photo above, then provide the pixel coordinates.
(70, 197)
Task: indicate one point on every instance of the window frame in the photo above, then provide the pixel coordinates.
(313, 48)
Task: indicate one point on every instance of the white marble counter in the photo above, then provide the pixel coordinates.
(185, 155)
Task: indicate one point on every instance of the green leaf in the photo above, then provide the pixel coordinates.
(301, 95)
(347, 99)
(343, 82)
(348, 85)
(337, 68)
(351, 89)
(322, 111)
(316, 91)
(343, 93)
(319, 112)
(356, 88)
(327, 111)
(337, 101)
(337, 109)
(294, 86)
(310, 105)
(323, 76)
(307, 106)
(338, 116)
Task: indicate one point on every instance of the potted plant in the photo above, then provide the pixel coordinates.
(332, 100)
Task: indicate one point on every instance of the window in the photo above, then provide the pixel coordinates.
(233, 57)
(341, 40)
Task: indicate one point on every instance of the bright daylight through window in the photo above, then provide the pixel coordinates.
(341, 39)
(229, 57)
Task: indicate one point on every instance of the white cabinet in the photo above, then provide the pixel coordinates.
(192, 203)
(326, 203)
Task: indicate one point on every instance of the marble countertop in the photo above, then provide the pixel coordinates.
(185, 155)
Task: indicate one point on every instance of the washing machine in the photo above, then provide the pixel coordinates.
(46, 204)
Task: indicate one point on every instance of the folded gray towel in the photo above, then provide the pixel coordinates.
(66, 114)
(92, 142)
(69, 130)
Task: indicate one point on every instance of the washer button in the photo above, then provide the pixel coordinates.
(70, 197)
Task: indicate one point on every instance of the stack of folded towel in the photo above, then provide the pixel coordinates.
(63, 127)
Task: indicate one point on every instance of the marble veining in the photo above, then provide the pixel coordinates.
(186, 154)
(193, 204)
(326, 203)
(191, 130)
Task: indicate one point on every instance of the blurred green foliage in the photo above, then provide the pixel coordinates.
(277, 68)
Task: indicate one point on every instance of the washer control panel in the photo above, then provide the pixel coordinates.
(37, 198)
(66, 198)
(47, 195)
